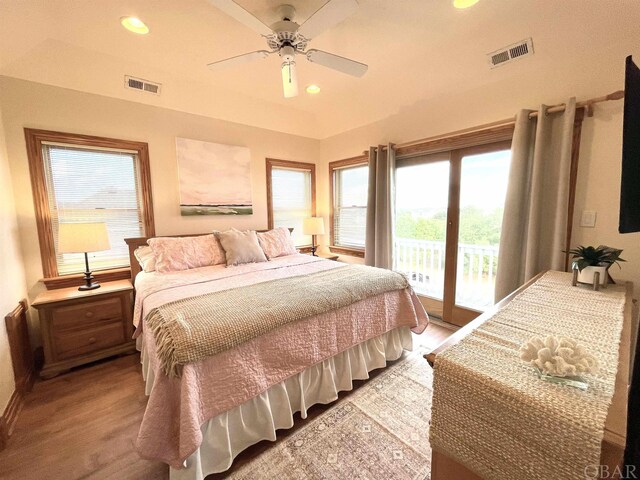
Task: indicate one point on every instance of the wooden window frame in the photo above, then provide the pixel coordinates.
(274, 162)
(457, 141)
(361, 160)
(34, 140)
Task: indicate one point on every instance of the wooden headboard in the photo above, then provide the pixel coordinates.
(136, 242)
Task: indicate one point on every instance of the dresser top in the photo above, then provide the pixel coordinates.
(72, 293)
(551, 293)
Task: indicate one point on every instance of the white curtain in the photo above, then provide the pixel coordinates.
(535, 219)
(380, 207)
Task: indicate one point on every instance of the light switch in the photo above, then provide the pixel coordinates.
(588, 218)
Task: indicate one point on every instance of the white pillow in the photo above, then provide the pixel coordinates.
(146, 258)
(241, 247)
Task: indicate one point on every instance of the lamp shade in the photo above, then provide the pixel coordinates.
(313, 226)
(82, 237)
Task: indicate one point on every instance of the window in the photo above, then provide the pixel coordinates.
(291, 196)
(76, 178)
(448, 219)
(349, 190)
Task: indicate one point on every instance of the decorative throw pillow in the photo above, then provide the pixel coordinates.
(241, 247)
(146, 258)
(182, 253)
(277, 242)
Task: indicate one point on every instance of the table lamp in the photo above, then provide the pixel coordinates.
(313, 226)
(83, 238)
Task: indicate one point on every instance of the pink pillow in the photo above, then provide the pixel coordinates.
(182, 253)
(277, 243)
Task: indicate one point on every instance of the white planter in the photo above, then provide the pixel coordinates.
(587, 273)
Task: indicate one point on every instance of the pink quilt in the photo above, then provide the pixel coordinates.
(178, 407)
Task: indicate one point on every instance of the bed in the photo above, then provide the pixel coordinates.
(201, 414)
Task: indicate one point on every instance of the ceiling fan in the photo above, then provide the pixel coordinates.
(288, 39)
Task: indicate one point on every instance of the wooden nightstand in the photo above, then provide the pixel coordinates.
(327, 256)
(81, 327)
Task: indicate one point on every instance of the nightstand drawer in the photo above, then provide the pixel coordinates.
(73, 343)
(79, 327)
(83, 315)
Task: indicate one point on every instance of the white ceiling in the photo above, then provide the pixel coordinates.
(415, 49)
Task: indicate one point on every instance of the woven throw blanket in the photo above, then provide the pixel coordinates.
(494, 415)
(194, 328)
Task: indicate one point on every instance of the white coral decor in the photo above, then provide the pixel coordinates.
(559, 357)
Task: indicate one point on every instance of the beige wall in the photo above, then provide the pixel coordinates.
(599, 189)
(28, 104)
(12, 282)
(600, 159)
(39, 106)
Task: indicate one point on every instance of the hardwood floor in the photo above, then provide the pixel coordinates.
(83, 425)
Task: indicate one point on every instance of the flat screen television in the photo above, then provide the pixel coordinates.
(630, 222)
(630, 185)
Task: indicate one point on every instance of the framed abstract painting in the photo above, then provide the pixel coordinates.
(215, 179)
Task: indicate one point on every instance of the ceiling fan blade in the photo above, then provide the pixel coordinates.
(330, 14)
(238, 60)
(336, 62)
(234, 10)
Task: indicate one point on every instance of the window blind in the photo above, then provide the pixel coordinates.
(292, 200)
(94, 185)
(350, 206)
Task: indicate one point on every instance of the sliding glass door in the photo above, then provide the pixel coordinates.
(422, 199)
(483, 187)
(448, 218)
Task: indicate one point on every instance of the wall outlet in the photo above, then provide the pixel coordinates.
(588, 219)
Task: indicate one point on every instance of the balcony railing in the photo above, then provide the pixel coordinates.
(423, 262)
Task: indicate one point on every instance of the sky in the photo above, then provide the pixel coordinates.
(483, 183)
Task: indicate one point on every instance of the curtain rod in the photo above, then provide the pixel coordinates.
(587, 104)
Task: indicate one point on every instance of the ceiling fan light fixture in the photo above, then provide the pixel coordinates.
(289, 39)
(461, 4)
(135, 25)
(313, 89)
(289, 79)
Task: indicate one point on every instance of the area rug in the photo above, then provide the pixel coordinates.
(379, 432)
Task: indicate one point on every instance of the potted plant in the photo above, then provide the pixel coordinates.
(589, 260)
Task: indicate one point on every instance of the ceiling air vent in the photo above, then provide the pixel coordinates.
(143, 85)
(510, 53)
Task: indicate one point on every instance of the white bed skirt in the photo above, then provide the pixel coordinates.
(228, 434)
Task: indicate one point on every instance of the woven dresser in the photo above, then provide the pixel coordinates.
(493, 418)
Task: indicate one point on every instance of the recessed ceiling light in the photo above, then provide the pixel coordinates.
(313, 89)
(135, 25)
(464, 3)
